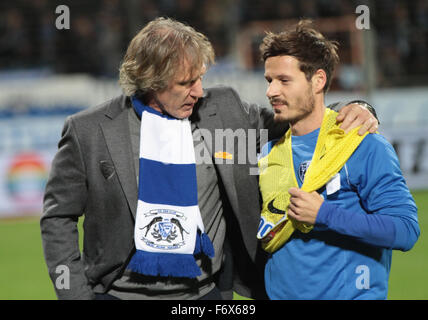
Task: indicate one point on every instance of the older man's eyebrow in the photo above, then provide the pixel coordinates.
(189, 81)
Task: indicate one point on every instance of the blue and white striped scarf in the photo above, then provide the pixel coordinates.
(168, 229)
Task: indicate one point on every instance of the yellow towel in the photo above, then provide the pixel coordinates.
(332, 150)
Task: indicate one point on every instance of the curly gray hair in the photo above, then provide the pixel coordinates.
(158, 52)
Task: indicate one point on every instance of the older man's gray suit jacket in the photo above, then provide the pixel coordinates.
(93, 175)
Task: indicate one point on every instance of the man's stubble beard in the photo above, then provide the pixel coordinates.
(307, 106)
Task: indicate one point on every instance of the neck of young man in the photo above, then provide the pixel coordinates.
(311, 122)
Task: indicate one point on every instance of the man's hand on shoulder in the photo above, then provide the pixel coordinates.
(356, 114)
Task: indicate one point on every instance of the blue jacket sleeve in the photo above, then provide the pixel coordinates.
(375, 229)
(390, 217)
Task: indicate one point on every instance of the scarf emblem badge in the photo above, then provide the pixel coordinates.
(165, 230)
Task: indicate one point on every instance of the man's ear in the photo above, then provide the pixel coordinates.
(319, 81)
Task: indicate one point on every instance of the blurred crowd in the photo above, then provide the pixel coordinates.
(101, 29)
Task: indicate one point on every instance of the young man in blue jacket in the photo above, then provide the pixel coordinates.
(344, 232)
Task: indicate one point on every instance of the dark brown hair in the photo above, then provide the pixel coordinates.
(307, 45)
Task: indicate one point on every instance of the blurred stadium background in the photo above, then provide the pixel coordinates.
(47, 74)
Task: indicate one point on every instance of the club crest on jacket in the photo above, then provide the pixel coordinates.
(302, 169)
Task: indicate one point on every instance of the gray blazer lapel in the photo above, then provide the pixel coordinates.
(117, 137)
(207, 120)
(207, 117)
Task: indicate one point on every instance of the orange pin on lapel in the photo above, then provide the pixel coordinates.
(223, 155)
